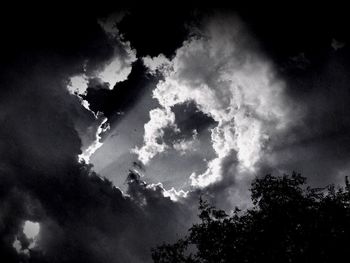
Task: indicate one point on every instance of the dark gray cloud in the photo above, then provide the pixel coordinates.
(82, 217)
(318, 144)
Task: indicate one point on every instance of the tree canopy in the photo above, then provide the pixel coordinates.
(288, 222)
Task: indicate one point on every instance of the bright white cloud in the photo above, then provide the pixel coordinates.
(159, 63)
(175, 195)
(96, 144)
(119, 66)
(154, 132)
(78, 84)
(172, 193)
(211, 175)
(31, 231)
(230, 82)
(117, 70)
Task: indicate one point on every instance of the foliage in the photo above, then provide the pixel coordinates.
(288, 222)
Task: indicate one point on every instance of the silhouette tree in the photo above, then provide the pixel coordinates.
(289, 222)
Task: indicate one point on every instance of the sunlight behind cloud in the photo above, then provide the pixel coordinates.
(229, 81)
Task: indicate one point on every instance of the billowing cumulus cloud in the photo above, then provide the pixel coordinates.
(154, 132)
(228, 80)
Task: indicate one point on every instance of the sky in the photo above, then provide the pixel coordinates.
(115, 121)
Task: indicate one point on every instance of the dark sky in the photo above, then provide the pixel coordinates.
(190, 101)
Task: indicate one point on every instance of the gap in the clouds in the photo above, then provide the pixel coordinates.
(189, 118)
(114, 158)
(172, 168)
(190, 148)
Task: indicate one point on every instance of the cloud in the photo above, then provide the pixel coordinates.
(116, 71)
(240, 106)
(96, 144)
(317, 146)
(156, 64)
(25, 244)
(174, 194)
(31, 229)
(183, 146)
(118, 67)
(106, 73)
(335, 44)
(110, 22)
(154, 132)
(78, 84)
(220, 71)
(82, 217)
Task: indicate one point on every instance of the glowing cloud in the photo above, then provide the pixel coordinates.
(85, 156)
(172, 193)
(154, 131)
(116, 70)
(118, 67)
(78, 84)
(31, 231)
(156, 63)
(230, 82)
